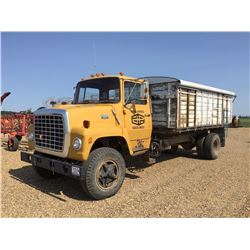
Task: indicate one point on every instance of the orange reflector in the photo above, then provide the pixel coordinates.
(90, 140)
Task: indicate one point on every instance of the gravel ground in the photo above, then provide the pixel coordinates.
(179, 185)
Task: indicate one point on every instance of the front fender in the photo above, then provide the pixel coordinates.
(89, 136)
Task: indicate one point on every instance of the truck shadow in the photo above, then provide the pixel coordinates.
(53, 187)
(66, 186)
(135, 165)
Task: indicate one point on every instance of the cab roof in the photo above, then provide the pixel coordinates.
(140, 80)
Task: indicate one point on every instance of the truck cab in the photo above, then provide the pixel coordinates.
(110, 109)
(108, 121)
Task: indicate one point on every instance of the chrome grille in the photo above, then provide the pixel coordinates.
(49, 132)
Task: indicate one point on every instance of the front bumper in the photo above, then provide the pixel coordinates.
(54, 165)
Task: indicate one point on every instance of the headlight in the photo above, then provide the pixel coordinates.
(77, 143)
(30, 136)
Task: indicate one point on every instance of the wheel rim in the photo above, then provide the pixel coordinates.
(107, 174)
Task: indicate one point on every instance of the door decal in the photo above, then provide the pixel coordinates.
(138, 119)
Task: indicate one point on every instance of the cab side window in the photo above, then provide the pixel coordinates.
(134, 92)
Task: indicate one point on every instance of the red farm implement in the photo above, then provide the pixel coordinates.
(14, 125)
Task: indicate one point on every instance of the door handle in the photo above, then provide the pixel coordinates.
(147, 115)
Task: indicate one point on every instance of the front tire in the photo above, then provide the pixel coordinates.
(212, 146)
(104, 173)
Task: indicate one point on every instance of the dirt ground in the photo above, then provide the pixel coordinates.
(179, 185)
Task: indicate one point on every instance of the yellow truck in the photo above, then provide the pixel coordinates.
(113, 118)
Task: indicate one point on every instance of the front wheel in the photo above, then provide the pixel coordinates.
(104, 173)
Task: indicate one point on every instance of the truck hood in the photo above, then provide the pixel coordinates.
(99, 115)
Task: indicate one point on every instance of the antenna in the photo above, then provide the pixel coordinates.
(94, 55)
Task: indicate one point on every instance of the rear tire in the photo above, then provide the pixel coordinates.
(212, 146)
(104, 173)
(200, 148)
(13, 144)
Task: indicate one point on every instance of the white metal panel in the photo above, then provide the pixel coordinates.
(204, 87)
(204, 108)
(196, 105)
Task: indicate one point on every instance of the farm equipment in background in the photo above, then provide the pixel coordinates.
(235, 121)
(4, 96)
(15, 125)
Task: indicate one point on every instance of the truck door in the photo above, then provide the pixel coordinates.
(137, 115)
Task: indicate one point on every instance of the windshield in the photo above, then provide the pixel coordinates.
(102, 90)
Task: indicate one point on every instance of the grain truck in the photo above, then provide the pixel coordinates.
(114, 118)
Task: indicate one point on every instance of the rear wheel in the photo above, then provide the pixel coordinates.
(200, 147)
(212, 146)
(104, 173)
(13, 144)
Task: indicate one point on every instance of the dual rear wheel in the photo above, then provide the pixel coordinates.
(208, 147)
